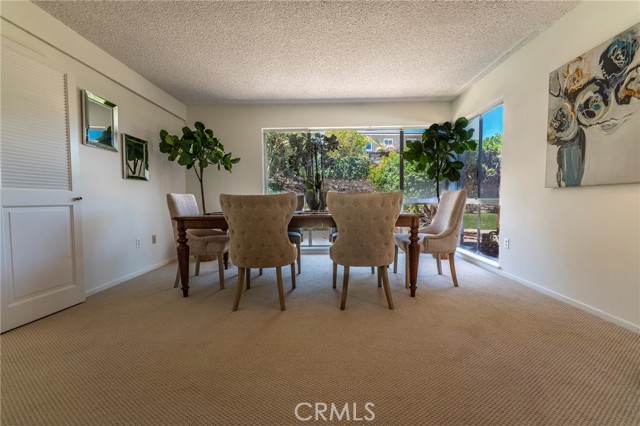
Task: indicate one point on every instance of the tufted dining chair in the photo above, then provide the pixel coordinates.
(366, 222)
(296, 235)
(202, 242)
(259, 239)
(441, 236)
(333, 236)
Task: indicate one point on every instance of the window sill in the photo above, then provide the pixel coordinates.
(315, 249)
(476, 258)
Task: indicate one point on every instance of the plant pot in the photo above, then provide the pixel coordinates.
(313, 199)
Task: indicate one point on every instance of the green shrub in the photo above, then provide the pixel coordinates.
(386, 177)
(349, 168)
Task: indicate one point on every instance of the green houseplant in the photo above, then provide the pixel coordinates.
(439, 150)
(309, 154)
(197, 149)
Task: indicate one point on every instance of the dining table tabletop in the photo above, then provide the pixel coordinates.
(300, 219)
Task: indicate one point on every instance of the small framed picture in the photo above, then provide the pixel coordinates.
(135, 158)
(100, 122)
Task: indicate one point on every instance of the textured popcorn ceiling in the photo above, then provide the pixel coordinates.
(266, 51)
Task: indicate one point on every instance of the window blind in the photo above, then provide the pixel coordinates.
(34, 124)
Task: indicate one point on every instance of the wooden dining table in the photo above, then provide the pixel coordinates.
(299, 220)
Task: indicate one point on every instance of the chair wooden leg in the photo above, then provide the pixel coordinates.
(226, 260)
(197, 265)
(293, 275)
(452, 265)
(236, 302)
(177, 281)
(260, 272)
(373, 269)
(299, 259)
(407, 269)
(345, 288)
(280, 288)
(335, 274)
(439, 262)
(379, 277)
(395, 260)
(248, 273)
(221, 271)
(387, 289)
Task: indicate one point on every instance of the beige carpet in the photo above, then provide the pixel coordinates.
(488, 353)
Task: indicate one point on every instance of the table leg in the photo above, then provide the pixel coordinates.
(414, 257)
(183, 258)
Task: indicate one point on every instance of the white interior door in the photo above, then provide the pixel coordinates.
(42, 267)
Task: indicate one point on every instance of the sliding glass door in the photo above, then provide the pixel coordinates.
(481, 179)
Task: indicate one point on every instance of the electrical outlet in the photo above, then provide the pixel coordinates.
(138, 242)
(154, 239)
(506, 243)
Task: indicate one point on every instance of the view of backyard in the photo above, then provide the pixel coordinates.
(481, 178)
(488, 221)
(368, 160)
(348, 167)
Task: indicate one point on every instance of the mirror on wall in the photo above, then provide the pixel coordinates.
(100, 121)
(135, 158)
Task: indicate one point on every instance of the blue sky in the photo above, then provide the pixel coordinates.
(492, 122)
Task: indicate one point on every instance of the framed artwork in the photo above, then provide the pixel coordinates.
(99, 122)
(135, 158)
(593, 126)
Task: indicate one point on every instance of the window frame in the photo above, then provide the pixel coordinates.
(479, 200)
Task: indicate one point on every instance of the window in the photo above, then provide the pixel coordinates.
(367, 160)
(481, 179)
(364, 160)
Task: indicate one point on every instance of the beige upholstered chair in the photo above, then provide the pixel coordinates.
(441, 236)
(202, 242)
(259, 239)
(333, 236)
(296, 235)
(366, 223)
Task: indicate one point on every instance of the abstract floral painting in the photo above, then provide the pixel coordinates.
(593, 129)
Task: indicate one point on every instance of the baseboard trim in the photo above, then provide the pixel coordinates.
(114, 283)
(575, 303)
(314, 249)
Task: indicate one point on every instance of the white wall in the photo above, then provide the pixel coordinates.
(581, 243)
(239, 128)
(114, 211)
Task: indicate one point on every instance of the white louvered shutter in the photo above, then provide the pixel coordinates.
(34, 124)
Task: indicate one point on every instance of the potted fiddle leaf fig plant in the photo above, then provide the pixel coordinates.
(440, 150)
(197, 148)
